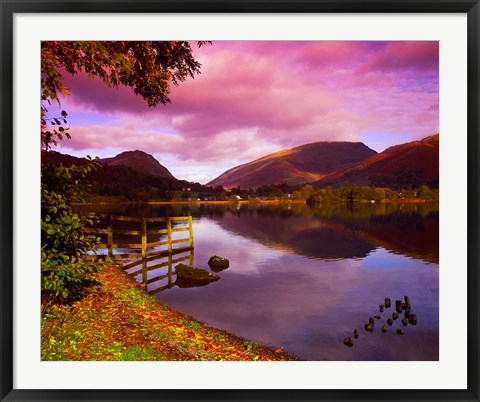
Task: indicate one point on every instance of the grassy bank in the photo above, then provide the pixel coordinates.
(117, 320)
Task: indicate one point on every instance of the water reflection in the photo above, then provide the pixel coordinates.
(303, 278)
(157, 273)
(324, 231)
(332, 232)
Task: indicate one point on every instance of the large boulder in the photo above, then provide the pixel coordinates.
(188, 277)
(217, 263)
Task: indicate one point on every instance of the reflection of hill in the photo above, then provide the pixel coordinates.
(325, 231)
(409, 229)
(306, 236)
(331, 243)
(405, 233)
(340, 232)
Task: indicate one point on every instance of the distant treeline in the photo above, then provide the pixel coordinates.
(125, 184)
(122, 183)
(352, 194)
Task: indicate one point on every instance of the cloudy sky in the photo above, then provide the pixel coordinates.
(255, 98)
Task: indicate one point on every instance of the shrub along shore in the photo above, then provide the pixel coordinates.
(118, 320)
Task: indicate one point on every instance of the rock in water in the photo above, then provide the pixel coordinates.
(188, 277)
(407, 310)
(388, 302)
(399, 331)
(405, 321)
(412, 319)
(384, 329)
(217, 263)
(369, 327)
(348, 341)
(395, 316)
(355, 333)
(389, 321)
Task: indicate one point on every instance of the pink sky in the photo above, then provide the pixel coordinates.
(255, 98)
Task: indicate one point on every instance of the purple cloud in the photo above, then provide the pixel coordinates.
(253, 98)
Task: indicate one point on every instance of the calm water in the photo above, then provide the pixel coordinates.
(304, 278)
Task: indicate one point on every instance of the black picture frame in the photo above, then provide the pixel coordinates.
(7, 205)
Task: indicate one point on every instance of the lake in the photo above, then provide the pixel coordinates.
(303, 278)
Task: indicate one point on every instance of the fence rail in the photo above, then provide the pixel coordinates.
(143, 233)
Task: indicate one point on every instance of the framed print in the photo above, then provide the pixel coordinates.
(240, 201)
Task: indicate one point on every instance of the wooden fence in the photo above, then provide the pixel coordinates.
(110, 231)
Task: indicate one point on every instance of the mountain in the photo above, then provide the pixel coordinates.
(407, 165)
(295, 166)
(64, 159)
(130, 176)
(140, 162)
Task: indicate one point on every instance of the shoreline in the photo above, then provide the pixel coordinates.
(227, 202)
(118, 320)
(254, 203)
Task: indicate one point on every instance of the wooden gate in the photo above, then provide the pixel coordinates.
(173, 225)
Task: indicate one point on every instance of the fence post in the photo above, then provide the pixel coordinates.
(110, 236)
(169, 234)
(144, 238)
(190, 230)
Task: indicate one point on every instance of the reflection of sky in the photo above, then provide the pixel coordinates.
(385, 260)
(308, 305)
(232, 247)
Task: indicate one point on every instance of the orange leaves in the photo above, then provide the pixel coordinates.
(119, 321)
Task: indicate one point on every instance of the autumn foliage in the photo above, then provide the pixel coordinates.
(148, 68)
(120, 321)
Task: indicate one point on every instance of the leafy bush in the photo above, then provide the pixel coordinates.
(64, 272)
